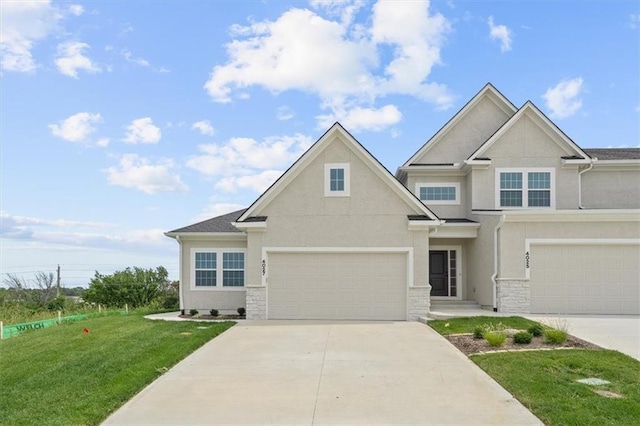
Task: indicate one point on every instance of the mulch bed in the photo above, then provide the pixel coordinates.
(468, 345)
(219, 317)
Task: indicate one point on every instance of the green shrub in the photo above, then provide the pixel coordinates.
(170, 301)
(214, 312)
(242, 311)
(478, 332)
(555, 336)
(56, 304)
(536, 330)
(495, 338)
(193, 312)
(522, 338)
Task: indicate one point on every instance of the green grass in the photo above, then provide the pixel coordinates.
(545, 382)
(467, 324)
(61, 376)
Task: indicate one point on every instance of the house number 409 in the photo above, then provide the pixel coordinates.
(264, 267)
(526, 260)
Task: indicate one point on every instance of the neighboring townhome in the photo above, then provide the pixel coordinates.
(500, 209)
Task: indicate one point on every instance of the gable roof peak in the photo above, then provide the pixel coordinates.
(487, 91)
(312, 153)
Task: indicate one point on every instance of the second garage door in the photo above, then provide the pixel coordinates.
(344, 286)
(585, 279)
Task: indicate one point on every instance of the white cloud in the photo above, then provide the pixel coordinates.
(246, 155)
(500, 33)
(102, 142)
(128, 56)
(204, 127)
(634, 20)
(257, 183)
(23, 24)
(142, 130)
(76, 9)
(8, 220)
(341, 62)
(77, 127)
(284, 113)
(360, 118)
(139, 173)
(70, 59)
(215, 209)
(563, 100)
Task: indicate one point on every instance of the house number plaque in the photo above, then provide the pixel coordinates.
(264, 267)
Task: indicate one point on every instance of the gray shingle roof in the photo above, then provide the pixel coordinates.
(216, 224)
(614, 153)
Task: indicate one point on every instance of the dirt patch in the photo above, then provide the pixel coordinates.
(468, 345)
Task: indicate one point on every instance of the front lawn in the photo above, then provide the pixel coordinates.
(63, 375)
(545, 382)
(467, 324)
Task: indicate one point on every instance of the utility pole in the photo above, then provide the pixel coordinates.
(58, 283)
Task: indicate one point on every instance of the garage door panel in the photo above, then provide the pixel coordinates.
(337, 286)
(583, 279)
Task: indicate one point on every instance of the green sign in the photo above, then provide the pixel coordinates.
(15, 329)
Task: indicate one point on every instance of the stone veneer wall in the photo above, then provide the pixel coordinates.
(256, 303)
(419, 302)
(514, 296)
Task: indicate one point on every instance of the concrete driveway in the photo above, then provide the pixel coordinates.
(317, 373)
(618, 332)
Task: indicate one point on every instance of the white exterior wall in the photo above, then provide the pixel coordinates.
(441, 210)
(468, 134)
(611, 188)
(372, 216)
(226, 301)
(526, 146)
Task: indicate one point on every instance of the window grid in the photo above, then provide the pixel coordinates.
(206, 272)
(537, 189)
(438, 193)
(336, 181)
(233, 269)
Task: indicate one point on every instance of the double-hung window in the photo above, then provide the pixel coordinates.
(337, 180)
(217, 269)
(525, 188)
(438, 193)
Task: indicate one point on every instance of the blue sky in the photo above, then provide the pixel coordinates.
(122, 120)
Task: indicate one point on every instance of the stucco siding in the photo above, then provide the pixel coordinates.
(611, 189)
(479, 262)
(525, 145)
(226, 301)
(441, 210)
(468, 134)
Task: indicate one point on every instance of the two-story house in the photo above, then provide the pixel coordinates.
(499, 207)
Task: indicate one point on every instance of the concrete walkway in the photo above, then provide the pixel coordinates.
(322, 373)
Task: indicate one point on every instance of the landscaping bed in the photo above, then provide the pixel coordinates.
(469, 345)
(211, 317)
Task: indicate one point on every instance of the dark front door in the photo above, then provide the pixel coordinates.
(439, 272)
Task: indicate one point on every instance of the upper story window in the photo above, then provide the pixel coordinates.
(438, 193)
(208, 273)
(336, 180)
(525, 188)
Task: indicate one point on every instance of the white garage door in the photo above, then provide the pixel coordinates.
(362, 286)
(585, 279)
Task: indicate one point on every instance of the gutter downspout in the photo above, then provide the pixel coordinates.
(495, 262)
(580, 182)
(180, 283)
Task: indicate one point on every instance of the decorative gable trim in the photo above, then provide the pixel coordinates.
(549, 127)
(336, 131)
(487, 91)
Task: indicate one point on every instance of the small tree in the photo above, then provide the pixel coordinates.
(133, 286)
